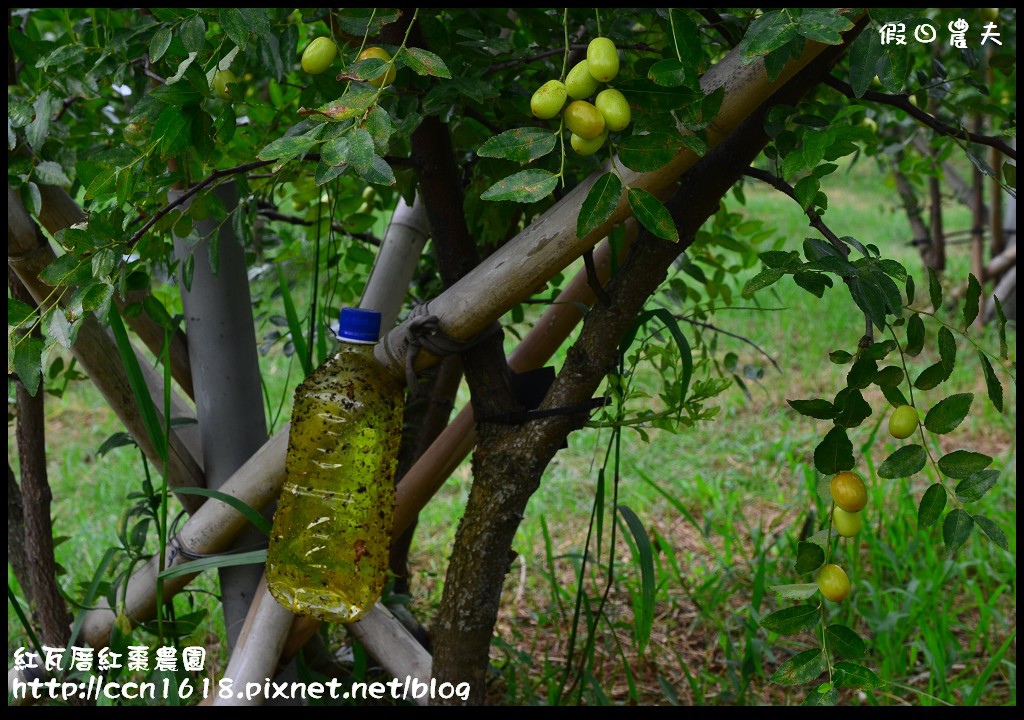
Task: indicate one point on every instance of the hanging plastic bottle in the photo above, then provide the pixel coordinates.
(328, 554)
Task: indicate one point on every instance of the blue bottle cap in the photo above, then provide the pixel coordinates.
(356, 325)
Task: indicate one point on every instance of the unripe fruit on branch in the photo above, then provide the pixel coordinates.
(319, 55)
(579, 83)
(903, 422)
(603, 59)
(845, 523)
(584, 119)
(221, 78)
(587, 147)
(833, 583)
(848, 492)
(548, 100)
(615, 108)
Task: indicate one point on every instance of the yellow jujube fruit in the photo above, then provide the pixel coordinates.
(848, 492)
(384, 78)
(845, 523)
(903, 422)
(833, 583)
(584, 119)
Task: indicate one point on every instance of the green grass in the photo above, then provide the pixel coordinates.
(724, 504)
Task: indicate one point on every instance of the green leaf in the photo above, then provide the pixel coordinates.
(650, 152)
(891, 376)
(521, 145)
(18, 312)
(770, 31)
(851, 408)
(834, 453)
(669, 72)
(777, 259)
(894, 395)
(852, 675)
(378, 172)
(972, 300)
(173, 129)
(39, 129)
(932, 504)
(765, 278)
(192, 33)
(58, 328)
(930, 377)
(947, 414)
(798, 591)
(48, 172)
(192, 567)
(992, 531)
(809, 557)
(992, 384)
(844, 641)
(251, 514)
(28, 353)
(291, 146)
(934, 290)
(424, 62)
(137, 383)
(862, 373)
(791, 620)
(973, 488)
(1001, 326)
(869, 299)
(823, 25)
(956, 528)
(294, 326)
(527, 186)
(652, 214)
(813, 282)
(947, 351)
(647, 580)
(906, 461)
(915, 335)
(961, 464)
(159, 43)
(911, 290)
(805, 190)
(865, 53)
(839, 357)
(825, 695)
(599, 205)
(801, 668)
(819, 409)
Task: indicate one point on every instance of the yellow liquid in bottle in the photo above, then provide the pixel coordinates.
(328, 554)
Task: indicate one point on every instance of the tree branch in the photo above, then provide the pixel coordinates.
(187, 194)
(903, 103)
(816, 222)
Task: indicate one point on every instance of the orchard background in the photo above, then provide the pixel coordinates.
(191, 201)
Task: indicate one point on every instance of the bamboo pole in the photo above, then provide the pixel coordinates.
(396, 261)
(474, 302)
(28, 254)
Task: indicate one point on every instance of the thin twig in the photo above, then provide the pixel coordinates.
(185, 196)
(748, 341)
(271, 214)
(816, 222)
(903, 103)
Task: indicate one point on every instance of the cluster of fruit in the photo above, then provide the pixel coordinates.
(320, 54)
(588, 122)
(850, 496)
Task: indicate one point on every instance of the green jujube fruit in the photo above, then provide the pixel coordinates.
(587, 147)
(319, 55)
(603, 59)
(579, 83)
(548, 100)
(615, 108)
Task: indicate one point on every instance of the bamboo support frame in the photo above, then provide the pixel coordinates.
(483, 296)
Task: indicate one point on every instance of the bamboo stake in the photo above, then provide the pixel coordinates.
(396, 261)
(95, 349)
